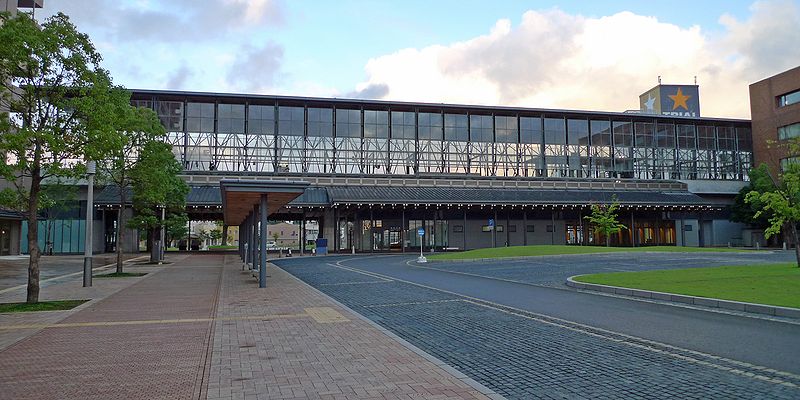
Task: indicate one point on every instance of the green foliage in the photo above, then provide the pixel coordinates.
(745, 212)
(60, 108)
(782, 204)
(605, 220)
(155, 185)
(176, 226)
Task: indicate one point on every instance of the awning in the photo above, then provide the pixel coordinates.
(465, 196)
(241, 197)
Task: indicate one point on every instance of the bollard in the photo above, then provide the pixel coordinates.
(784, 246)
(314, 251)
(289, 254)
(354, 250)
(758, 246)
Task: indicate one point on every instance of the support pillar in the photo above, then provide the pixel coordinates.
(494, 230)
(633, 230)
(403, 229)
(553, 222)
(303, 232)
(262, 265)
(464, 231)
(254, 241)
(524, 227)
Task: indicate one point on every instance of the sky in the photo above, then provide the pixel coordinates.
(588, 55)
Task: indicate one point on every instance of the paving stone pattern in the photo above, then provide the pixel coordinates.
(117, 360)
(522, 355)
(286, 355)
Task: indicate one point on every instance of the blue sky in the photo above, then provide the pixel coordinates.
(573, 54)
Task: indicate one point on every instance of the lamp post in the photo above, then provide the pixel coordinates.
(87, 245)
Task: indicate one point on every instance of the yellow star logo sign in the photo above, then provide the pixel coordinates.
(679, 100)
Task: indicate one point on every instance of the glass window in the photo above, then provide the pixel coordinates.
(623, 134)
(645, 134)
(744, 138)
(789, 160)
(506, 129)
(705, 137)
(601, 133)
(200, 117)
(665, 136)
(348, 123)
(530, 130)
(230, 118)
(455, 127)
(789, 131)
(686, 136)
(290, 121)
(171, 115)
(430, 126)
(403, 125)
(578, 131)
(376, 124)
(554, 131)
(320, 122)
(261, 120)
(789, 98)
(480, 128)
(726, 138)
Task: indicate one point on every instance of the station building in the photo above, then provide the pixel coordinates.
(470, 176)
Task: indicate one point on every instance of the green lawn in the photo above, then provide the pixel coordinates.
(549, 250)
(220, 247)
(121, 275)
(773, 284)
(40, 306)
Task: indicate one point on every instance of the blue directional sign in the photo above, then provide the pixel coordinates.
(421, 231)
(491, 222)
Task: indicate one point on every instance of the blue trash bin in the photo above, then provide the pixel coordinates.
(322, 246)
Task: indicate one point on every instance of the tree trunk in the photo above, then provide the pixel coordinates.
(793, 229)
(608, 240)
(120, 229)
(225, 235)
(153, 233)
(33, 239)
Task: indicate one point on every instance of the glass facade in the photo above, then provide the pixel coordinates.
(317, 137)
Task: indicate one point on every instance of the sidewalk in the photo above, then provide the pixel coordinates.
(196, 329)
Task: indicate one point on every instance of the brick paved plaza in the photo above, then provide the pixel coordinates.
(200, 328)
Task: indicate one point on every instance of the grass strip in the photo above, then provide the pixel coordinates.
(549, 250)
(40, 306)
(771, 284)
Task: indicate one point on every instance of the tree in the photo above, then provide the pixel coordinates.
(745, 212)
(605, 220)
(138, 127)
(176, 227)
(59, 109)
(156, 186)
(782, 205)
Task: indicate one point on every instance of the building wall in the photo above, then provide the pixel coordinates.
(768, 116)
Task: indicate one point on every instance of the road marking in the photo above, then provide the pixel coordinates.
(604, 334)
(413, 264)
(412, 303)
(358, 271)
(353, 283)
(41, 281)
(618, 269)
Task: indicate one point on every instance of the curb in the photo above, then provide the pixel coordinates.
(439, 363)
(517, 258)
(776, 311)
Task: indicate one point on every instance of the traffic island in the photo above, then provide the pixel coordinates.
(772, 289)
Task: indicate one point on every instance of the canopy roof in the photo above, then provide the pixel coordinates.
(241, 197)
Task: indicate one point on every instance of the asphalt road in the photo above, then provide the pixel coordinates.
(512, 326)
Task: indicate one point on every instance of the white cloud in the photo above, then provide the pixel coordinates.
(554, 59)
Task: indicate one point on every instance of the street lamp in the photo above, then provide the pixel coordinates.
(87, 246)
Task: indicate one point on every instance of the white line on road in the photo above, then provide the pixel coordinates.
(605, 333)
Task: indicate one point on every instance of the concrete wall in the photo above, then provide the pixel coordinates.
(690, 234)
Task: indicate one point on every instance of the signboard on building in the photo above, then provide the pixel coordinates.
(677, 100)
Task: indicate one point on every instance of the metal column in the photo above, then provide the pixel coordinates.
(254, 241)
(262, 265)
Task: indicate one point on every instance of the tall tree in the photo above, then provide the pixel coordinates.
(139, 127)
(156, 186)
(60, 108)
(745, 212)
(782, 205)
(605, 220)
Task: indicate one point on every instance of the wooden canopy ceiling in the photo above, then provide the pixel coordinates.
(241, 197)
